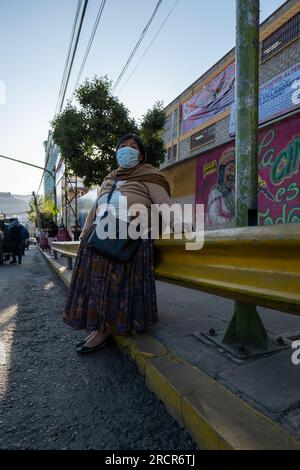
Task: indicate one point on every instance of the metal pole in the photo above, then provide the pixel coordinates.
(54, 195)
(246, 325)
(247, 80)
(38, 215)
(66, 201)
(26, 163)
(76, 190)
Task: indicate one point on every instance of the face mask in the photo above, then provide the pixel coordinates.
(127, 157)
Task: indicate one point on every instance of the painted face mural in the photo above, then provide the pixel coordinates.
(220, 204)
(278, 177)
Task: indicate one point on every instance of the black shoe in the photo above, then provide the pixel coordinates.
(85, 350)
(81, 343)
(13, 261)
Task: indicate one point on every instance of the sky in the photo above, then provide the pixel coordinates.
(34, 40)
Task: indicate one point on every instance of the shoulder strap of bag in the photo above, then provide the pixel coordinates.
(112, 190)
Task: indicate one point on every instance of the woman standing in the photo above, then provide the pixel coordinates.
(108, 295)
(52, 234)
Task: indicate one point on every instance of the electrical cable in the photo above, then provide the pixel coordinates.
(89, 45)
(74, 52)
(69, 53)
(62, 97)
(136, 46)
(159, 30)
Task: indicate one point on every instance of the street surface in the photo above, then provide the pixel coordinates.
(51, 398)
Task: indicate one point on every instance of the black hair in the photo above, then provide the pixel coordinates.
(137, 140)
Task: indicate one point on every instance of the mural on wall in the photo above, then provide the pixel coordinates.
(279, 173)
(214, 98)
(278, 178)
(215, 179)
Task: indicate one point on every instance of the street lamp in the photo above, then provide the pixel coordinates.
(40, 168)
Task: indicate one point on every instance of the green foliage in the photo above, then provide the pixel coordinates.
(87, 135)
(151, 132)
(46, 208)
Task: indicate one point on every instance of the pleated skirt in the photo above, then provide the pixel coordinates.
(107, 294)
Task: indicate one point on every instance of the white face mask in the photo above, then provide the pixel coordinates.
(127, 157)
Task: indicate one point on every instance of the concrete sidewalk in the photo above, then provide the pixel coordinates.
(224, 402)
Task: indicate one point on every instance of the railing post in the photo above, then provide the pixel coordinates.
(70, 262)
(246, 325)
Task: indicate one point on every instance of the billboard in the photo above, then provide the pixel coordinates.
(214, 98)
(278, 96)
(278, 177)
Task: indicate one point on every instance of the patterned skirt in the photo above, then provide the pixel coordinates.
(105, 293)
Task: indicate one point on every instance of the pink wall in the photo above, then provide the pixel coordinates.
(278, 182)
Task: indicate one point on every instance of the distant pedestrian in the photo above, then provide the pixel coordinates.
(63, 234)
(2, 235)
(15, 241)
(25, 237)
(52, 234)
(76, 230)
(108, 295)
(43, 240)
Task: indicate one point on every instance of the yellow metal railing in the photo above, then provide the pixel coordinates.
(257, 265)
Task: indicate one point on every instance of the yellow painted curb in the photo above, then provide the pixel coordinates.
(64, 273)
(215, 417)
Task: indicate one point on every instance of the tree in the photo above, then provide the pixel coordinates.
(46, 208)
(87, 134)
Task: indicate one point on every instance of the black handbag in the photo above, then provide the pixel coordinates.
(115, 249)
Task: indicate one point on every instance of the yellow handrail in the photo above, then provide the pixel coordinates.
(258, 265)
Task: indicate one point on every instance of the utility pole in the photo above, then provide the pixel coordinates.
(37, 210)
(76, 210)
(66, 201)
(54, 194)
(246, 325)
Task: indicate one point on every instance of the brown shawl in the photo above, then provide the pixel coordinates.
(144, 173)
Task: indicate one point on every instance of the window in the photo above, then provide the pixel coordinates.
(175, 123)
(204, 137)
(174, 151)
(281, 37)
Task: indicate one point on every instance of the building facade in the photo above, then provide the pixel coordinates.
(51, 157)
(69, 191)
(200, 129)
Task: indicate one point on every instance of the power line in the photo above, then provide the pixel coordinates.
(74, 52)
(137, 46)
(159, 30)
(67, 74)
(89, 44)
(69, 53)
